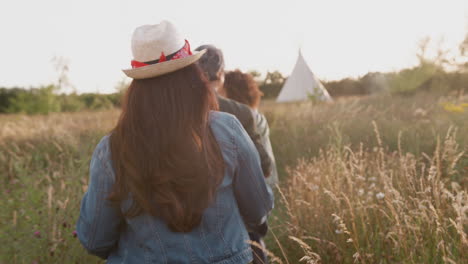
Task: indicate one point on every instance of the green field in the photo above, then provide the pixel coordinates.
(380, 179)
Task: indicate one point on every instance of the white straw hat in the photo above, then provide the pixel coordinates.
(159, 49)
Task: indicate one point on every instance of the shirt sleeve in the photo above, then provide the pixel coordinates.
(251, 129)
(99, 220)
(253, 196)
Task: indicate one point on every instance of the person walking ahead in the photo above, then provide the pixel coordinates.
(241, 87)
(212, 63)
(175, 181)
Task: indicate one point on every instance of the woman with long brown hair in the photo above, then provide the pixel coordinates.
(175, 181)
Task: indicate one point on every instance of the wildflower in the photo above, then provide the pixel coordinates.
(372, 179)
(380, 195)
(450, 107)
(74, 233)
(37, 234)
(420, 112)
(360, 192)
(338, 231)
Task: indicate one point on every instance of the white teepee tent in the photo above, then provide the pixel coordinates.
(302, 84)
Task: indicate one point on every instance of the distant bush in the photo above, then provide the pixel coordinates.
(33, 101)
(443, 83)
(6, 96)
(345, 87)
(410, 80)
(428, 77)
(272, 84)
(96, 101)
(115, 98)
(44, 100)
(71, 103)
(425, 77)
(270, 90)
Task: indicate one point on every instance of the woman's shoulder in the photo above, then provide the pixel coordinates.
(224, 126)
(222, 118)
(102, 157)
(102, 150)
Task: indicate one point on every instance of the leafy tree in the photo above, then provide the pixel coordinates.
(61, 66)
(34, 101)
(409, 81)
(71, 103)
(120, 88)
(255, 74)
(464, 53)
(6, 96)
(272, 84)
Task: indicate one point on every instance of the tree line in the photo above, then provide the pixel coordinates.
(441, 74)
(425, 77)
(45, 99)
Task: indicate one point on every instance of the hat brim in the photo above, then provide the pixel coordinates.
(162, 68)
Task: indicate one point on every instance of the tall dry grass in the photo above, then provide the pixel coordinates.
(371, 206)
(330, 194)
(59, 126)
(302, 130)
(43, 170)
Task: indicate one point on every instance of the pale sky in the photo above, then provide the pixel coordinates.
(339, 38)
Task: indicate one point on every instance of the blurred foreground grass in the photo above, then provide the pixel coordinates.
(366, 180)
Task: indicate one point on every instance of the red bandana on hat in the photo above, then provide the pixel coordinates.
(182, 53)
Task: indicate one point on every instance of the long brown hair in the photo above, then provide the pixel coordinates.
(163, 150)
(242, 87)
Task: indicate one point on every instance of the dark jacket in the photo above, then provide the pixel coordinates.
(264, 131)
(246, 117)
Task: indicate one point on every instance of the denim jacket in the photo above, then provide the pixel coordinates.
(242, 202)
